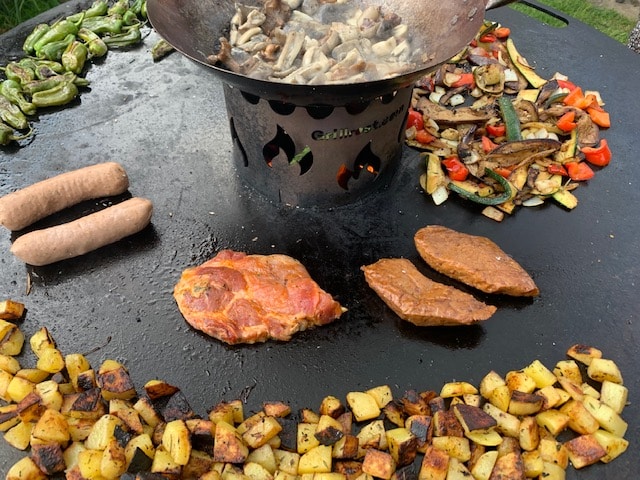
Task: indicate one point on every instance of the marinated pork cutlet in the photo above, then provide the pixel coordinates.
(240, 298)
(420, 300)
(473, 260)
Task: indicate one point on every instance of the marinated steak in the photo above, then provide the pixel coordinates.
(420, 300)
(474, 260)
(240, 298)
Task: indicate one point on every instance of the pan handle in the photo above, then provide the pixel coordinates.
(489, 4)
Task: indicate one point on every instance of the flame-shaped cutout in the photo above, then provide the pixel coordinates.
(304, 159)
(236, 142)
(366, 160)
(281, 141)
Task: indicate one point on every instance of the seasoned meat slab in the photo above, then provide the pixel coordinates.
(240, 298)
(474, 260)
(420, 300)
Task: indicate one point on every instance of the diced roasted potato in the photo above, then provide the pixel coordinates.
(529, 435)
(50, 360)
(114, 381)
(523, 403)
(265, 457)
(102, 432)
(483, 467)
(11, 310)
(413, 403)
(584, 450)
(487, 438)
(9, 364)
(533, 464)
(378, 464)
(601, 369)
(8, 416)
(331, 406)
(435, 464)
(156, 389)
(583, 353)
(506, 423)
(553, 421)
(228, 444)
(255, 471)
(276, 409)
(316, 460)
(606, 416)
(552, 451)
(402, 445)
(163, 464)
(613, 445)
(347, 447)
(52, 427)
(113, 462)
(580, 419)
(456, 447)
(568, 369)
(11, 339)
(420, 427)
(176, 440)
(614, 394)
(490, 382)
(445, 424)
(373, 435)
(90, 464)
(363, 406)
(18, 388)
(260, 432)
(200, 463)
(394, 413)
(509, 465)
(457, 389)
(520, 381)
(473, 419)
(86, 404)
(287, 461)
(25, 469)
(306, 437)
(41, 340)
(76, 363)
(382, 395)
(328, 430)
(19, 436)
(147, 411)
(500, 397)
(222, 411)
(550, 397)
(457, 470)
(541, 375)
(140, 443)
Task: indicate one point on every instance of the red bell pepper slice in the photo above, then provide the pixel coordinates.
(579, 171)
(566, 84)
(504, 171)
(424, 137)
(599, 117)
(557, 169)
(466, 79)
(488, 144)
(415, 119)
(497, 130)
(488, 38)
(455, 168)
(502, 32)
(599, 156)
(566, 122)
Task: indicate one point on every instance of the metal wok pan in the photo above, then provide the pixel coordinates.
(193, 27)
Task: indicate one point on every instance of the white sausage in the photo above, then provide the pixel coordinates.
(23, 207)
(50, 245)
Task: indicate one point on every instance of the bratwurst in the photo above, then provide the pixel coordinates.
(473, 260)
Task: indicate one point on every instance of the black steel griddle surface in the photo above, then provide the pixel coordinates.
(166, 123)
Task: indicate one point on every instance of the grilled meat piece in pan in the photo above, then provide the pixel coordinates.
(240, 298)
(473, 260)
(420, 300)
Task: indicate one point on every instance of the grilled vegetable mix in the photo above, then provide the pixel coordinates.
(56, 57)
(496, 133)
(92, 423)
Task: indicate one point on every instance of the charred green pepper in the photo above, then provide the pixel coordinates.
(75, 56)
(41, 65)
(19, 73)
(118, 7)
(61, 94)
(111, 24)
(494, 200)
(58, 32)
(12, 92)
(54, 50)
(136, 6)
(161, 49)
(29, 45)
(130, 36)
(7, 135)
(130, 18)
(11, 114)
(95, 44)
(51, 82)
(510, 118)
(97, 9)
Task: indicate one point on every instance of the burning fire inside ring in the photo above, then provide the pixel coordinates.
(366, 160)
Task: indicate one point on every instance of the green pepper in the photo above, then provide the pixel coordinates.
(54, 50)
(51, 82)
(118, 7)
(510, 118)
(95, 44)
(7, 135)
(97, 9)
(29, 45)
(130, 36)
(161, 49)
(496, 200)
(61, 94)
(12, 92)
(130, 18)
(75, 56)
(136, 6)
(19, 73)
(104, 25)
(53, 65)
(58, 31)
(11, 114)
(143, 9)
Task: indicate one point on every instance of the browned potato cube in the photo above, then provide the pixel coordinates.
(328, 430)
(403, 445)
(25, 469)
(583, 353)
(580, 419)
(331, 406)
(473, 419)
(347, 447)
(584, 450)
(378, 464)
(11, 310)
(276, 409)
(523, 403)
(435, 464)
(420, 427)
(446, 424)
(115, 382)
(228, 444)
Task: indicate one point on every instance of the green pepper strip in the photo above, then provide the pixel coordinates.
(29, 45)
(75, 56)
(13, 92)
(496, 200)
(510, 118)
(11, 114)
(19, 73)
(54, 50)
(97, 48)
(7, 135)
(56, 96)
(97, 9)
(129, 37)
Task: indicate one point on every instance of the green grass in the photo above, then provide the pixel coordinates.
(607, 21)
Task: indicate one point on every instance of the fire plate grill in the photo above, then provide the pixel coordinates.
(316, 154)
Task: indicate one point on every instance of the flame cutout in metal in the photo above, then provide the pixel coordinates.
(282, 141)
(365, 161)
